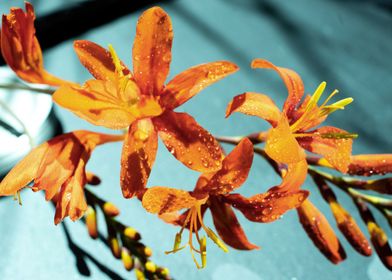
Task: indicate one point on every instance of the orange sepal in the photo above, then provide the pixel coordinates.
(191, 144)
(159, 200)
(234, 171)
(269, 206)
(255, 104)
(97, 60)
(228, 227)
(291, 79)
(21, 49)
(320, 232)
(193, 80)
(281, 144)
(138, 156)
(336, 151)
(152, 50)
(295, 176)
(367, 165)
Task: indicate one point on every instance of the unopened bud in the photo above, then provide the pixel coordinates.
(150, 266)
(115, 247)
(163, 272)
(132, 233)
(110, 209)
(127, 259)
(91, 222)
(139, 274)
(147, 252)
(92, 179)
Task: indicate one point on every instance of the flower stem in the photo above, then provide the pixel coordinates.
(26, 88)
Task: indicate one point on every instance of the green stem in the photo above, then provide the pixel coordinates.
(27, 88)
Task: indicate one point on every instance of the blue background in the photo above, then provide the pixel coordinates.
(346, 43)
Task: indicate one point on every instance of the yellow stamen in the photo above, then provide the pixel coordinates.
(116, 61)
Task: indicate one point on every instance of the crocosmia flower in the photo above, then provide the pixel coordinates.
(119, 99)
(213, 191)
(20, 47)
(294, 128)
(58, 167)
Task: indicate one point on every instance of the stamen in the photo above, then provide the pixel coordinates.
(18, 197)
(329, 97)
(116, 61)
(339, 135)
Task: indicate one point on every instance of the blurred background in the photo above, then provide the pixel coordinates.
(346, 43)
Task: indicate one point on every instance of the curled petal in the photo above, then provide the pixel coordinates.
(20, 47)
(255, 104)
(281, 144)
(152, 50)
(269, 206)
(191, 144)
(234, 171)
(193, 80)
(336, 151)
(97, 60)
(320, 232)
(228, 227)
(291, 79)
(159, 200)
(367, 165)
(138, 156)
(295, 176)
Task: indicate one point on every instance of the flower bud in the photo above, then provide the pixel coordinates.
(127, 259)
(115, 247)
(110, 209)
(132, 233)
(91, 222)
(150, 266)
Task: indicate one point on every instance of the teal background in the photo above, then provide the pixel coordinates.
(346, 43)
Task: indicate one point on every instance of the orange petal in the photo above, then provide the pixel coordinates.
(138, 156)
(193, 80)
(23, 172)
(228, 227)
(234, 171)
(20, 47)
(71, 201)
(269, 206)
(255, 104)
(189, 142)
(281, 144)
(291, 79)
(320, 232)
(159, 200)
(336, 151)
(152, 50)
(97, 60)
(295, 176)
(367, 165)
(101, 102)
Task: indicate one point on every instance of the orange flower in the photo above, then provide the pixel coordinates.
(120, 99)
(20, 47)
(291, 128)
(58, 167)
(213, 191)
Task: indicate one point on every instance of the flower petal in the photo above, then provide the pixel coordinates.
(281, 144)
(138, 156)
(367, 165)
(152, 50)
(255, 104)
(234, 171)
(191, 144)
(269, 206)
(23, 172)
(228, 227)
(20, 47)
(193, 80)
(320, 232)
(159, 200)
(336, 151)
(102, 102)
(295, 176)
(97, 60)
(291, 79)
